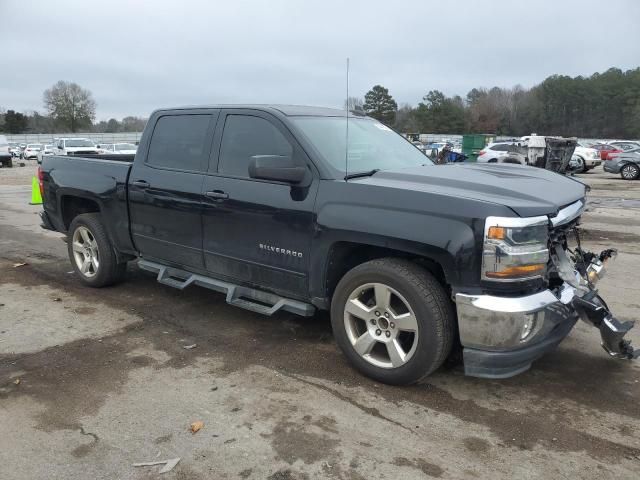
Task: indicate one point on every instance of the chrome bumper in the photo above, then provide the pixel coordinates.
(487, 322)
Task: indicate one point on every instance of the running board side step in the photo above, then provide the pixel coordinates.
(244, 297)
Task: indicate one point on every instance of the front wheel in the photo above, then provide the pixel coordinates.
(630, 171)
(393, 320)
(91, 252)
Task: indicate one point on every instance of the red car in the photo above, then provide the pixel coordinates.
(605, 149)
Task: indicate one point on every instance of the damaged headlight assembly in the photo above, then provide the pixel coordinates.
(515, 249)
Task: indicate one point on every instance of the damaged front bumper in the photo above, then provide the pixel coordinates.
(502, 336)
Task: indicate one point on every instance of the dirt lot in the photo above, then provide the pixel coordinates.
(92, 381)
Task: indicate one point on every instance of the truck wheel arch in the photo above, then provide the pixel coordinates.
(344, 256)
(71, 206)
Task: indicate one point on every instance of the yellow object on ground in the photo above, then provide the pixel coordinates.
(36, 198)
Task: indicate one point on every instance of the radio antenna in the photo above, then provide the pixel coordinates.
(346, 145)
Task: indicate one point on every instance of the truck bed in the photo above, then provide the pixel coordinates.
(106, 156)
(100, 179)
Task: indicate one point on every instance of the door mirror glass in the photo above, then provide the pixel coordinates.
(280, 168)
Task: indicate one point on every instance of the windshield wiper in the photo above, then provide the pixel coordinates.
(367, 173)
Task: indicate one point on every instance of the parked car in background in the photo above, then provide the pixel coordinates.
(605, 149)
(105, 147)
(75, 146)
(21, 147)
(613, 155)
(627, 164)
(14, 149)
(121, 148)
(587, 156)
(31, 151)
(495, 152)
(6, 157)
(625, 145)
(46, 150)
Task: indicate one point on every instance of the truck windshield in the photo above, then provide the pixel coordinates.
(372, 145)
(79, 143)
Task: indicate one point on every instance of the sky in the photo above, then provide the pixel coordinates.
(136, 56)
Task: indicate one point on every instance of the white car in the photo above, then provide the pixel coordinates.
(496, 152)
(14, 149)
(46, 151)
(118, 148)
(31, 151)
(588, 157)
(75, 146)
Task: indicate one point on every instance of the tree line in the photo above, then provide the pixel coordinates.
(604, 105)
(69, 108)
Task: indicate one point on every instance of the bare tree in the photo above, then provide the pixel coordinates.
(70, 105)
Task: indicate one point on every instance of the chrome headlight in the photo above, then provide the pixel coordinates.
(515, 249)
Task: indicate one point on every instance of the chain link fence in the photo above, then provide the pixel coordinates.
(122, 137)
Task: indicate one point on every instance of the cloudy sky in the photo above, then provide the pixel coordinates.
(137, 55)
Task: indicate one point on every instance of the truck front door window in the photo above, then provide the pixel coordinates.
(245, 136)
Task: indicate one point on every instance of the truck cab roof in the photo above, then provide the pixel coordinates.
(287, 110)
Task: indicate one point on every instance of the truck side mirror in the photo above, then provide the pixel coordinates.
(280, 168)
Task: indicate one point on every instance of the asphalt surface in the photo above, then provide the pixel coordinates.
(92, 381)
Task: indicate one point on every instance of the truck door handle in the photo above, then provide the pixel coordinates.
(217, 194)
(141, 183)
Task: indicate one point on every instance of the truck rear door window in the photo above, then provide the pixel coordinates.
(245, 136)
(179, 141)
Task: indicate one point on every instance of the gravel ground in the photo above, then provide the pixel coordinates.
(92, 381)
(18, 175)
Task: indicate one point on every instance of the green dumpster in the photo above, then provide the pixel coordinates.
(473, 143)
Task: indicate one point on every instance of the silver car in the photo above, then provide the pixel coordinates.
(627, 164)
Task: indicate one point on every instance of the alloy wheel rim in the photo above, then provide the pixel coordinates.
(629, 171)
(85, 252)
(381, 325)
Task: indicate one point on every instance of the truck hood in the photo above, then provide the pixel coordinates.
(528, 191)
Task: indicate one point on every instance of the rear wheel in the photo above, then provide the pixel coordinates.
(91, 252)
(630, 171)
(393, 320)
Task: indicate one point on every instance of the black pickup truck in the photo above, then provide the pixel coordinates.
(278, 207)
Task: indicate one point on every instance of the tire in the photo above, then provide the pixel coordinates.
(584, 168)
(96, 263)
(493, 160)
(630, 171)
(421, 338)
